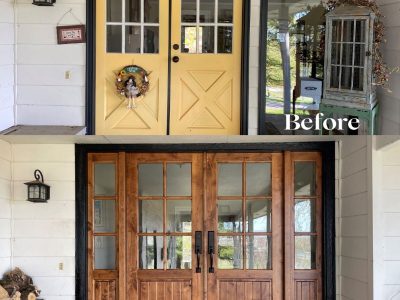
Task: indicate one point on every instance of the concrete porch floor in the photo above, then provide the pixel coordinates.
(44, 130)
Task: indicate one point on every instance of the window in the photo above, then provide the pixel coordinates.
(207, 26)
(132, 26)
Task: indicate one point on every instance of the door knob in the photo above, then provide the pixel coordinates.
(175, 59)
(175, 46)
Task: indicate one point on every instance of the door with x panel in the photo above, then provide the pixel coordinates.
(197, 69)
(217, 226)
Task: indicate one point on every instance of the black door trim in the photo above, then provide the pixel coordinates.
(90, 77)
(327, 150)
(262, 74)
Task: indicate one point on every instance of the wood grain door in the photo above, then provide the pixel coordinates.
(255, 219)
(245, 211)
(165, 205)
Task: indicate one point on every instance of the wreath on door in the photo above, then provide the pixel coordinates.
(132, 82)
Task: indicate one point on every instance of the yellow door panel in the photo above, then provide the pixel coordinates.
(112, 114)
(205, 87)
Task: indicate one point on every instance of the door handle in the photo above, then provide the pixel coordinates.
(175, 46)
(175, 59)
(198, 245)
(211, 251)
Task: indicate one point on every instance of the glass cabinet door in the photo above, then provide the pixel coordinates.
(348, 54)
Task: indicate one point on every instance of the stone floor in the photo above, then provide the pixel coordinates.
(44, 130)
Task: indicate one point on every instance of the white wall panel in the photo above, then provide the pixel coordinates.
(7, 64)
(5, 206)
(354, 234)
(45, 96)
(44, 234)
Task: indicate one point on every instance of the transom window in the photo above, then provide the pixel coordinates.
(348, 44)
(132, 26)
(206, 26)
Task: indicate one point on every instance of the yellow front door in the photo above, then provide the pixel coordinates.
(205, 90)
(197, 70)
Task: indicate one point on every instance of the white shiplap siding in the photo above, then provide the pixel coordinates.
(44, 234)
(353, 234)
(389, 200)
(6, 64)
(45, 96)
(5, 206)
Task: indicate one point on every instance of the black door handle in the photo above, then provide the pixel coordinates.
(211, 251)
(198, 244)
(175, 59)
(175, 46)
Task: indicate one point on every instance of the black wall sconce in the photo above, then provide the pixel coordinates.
(43, 2)
(38, 192)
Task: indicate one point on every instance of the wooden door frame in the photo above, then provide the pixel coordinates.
(90, 73)
(327, 150)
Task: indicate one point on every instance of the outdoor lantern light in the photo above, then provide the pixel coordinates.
(43, 2)
(38, 192)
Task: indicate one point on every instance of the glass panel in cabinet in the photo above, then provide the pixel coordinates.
(348, 31)
(359, 55)
(347, 54)
(335, 71)
(360, 31)
(335, 57)
(358, 80)
(336, 31)
(345, 79)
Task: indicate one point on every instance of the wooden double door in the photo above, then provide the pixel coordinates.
(192, 52)
(232, 226)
